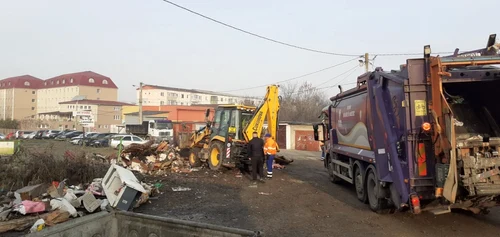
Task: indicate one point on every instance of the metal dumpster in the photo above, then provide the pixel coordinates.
(106, 224)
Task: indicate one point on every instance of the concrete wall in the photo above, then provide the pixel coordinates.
(119, 224)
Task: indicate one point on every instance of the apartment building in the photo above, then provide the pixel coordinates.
(18, 97)
(106, 115)
(89, 85)
(153, 95)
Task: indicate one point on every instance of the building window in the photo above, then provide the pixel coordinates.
(105, 82)
(91, 80)
(32, 108)
(81, 106)
(162, 102)
(98, 91)
(32, 100)
(27, 83)
(57, 82)
(33, 92)
(52, 82)
(64, 81)
(105, 126)
(9, 83)
(116, 117)
(116, 108)
(45, 83)
(162, 94)
(182, 96)
(71, 80)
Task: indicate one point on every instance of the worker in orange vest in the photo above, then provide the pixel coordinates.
(270, 149)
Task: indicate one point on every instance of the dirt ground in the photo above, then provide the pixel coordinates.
(298, 201)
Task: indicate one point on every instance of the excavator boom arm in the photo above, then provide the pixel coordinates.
(268, 110)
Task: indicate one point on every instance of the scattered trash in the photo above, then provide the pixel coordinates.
(64, 205)
(90, 202)
(28, 207)
(56, 217)
(180, 189)
(96, 187)
(29, 192)
(266, 194)
(38, 226)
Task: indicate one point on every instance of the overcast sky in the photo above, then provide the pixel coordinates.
(156, 43)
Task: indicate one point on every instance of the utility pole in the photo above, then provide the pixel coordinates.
(140, 102)
(367, 62)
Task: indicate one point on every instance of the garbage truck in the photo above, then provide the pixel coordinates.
(425, 137)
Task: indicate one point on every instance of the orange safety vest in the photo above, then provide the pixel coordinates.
(270, 147)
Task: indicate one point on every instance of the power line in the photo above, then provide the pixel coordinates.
(260, 36)
(293, 78)
(351, 70)
(288, 44)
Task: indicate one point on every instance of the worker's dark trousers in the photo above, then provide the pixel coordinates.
(257, 167)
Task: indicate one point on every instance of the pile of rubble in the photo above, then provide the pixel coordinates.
(45, 204)
(152, 159)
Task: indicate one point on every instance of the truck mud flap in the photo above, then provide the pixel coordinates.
(134, 224)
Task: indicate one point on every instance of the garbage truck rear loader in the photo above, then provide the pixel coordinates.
(425, 137)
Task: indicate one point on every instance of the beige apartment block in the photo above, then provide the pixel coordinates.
(18, 97)
(86, 85)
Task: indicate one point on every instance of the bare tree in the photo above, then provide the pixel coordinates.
(301, 102)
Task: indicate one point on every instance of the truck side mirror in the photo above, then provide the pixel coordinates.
(318, 132)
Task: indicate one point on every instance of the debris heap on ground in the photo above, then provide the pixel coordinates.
(153, 159)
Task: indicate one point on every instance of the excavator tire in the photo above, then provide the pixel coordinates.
(194, 160)
(214, 159)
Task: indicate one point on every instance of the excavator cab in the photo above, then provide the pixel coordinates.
(229, 122)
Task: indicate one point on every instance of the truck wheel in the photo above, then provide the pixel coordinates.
(194, 161)
(359, 184)
(331, 167)
(215, 161)
(378, 205)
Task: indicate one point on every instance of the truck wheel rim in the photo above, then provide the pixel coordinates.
(214, 157)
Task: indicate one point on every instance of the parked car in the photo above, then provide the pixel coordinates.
(28, 134)
(126, 141)
(47, 134)
(71, 135)
(39, 134)
(79, 139)
(19, 134)
(62, 136)
(102, 141)
(89, 140)
(2, 136)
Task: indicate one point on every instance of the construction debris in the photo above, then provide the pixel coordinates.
(154, 160)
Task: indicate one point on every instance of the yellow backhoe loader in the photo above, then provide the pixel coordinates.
(223, 141)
